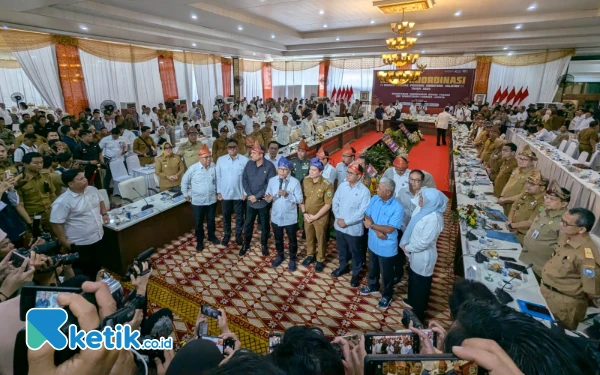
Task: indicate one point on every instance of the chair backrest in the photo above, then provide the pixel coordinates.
(320, 129)
(294, 136)
(571, 150)
(330, 124)
(117, 168)
(133, 163)
(594, 159)
(207, 131)
(138, 183)
(583, 157)
(104, 195)
(563, 145)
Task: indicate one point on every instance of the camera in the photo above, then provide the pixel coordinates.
(139, 263)
(18, 257)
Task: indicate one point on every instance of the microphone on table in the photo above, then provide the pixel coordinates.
(147, 206)
(503, 296)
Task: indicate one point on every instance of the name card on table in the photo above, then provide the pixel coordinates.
(142, 214)
(496, 215)
(178, 199)
(502, 236)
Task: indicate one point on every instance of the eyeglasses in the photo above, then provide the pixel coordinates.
(565, 224)
(523, 159)
(413, 180)
(231, 147)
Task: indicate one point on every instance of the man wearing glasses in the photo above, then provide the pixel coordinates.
(189, 150)
(570, 277)
(528, 205)
(230, 190)
(516, 183)
(506, 165)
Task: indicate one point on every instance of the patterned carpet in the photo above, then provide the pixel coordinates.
(259, 299)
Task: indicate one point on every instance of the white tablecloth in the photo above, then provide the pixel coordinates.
(554, 165)
(149, 173)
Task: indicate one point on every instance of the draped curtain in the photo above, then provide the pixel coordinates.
(357, 79)
(252, 85)
(42, 69)
(71, 78)
(186, 84)
(167, 77)
(295, 83)
(199, 77)
(15, 80)
(209, 83)
(540, 79)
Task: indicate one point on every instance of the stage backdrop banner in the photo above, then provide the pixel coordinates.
(435, 87)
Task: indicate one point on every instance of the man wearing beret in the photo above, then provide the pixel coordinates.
(318, 197)
(285, 193)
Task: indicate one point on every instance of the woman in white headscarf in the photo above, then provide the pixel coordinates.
(161, 136)
(546, 120)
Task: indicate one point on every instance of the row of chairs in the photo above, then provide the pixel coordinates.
(124, 178)
(571, 148)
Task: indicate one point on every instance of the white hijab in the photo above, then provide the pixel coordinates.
(547, 116)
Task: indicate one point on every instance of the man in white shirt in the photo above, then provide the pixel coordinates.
(114, 147)
(107, 122)
(398, 106)
(413, 109)
(543, 134)
(329, 172)
(248, 120)
(77, 217)
(462, 113)
(227, 122)
(341, 169)
(154, 115)
(272, 154)
(306, 127)
(399, 172)
(285, 194)
(4, 113)
(585, 122)
(284, 130)
(27, 146)
(390, 111)
(579, 116)
(441, 125)
(408, 197)
(199, 185)
(147, 120)
(521, 117)
(350, 202)
(230, 190)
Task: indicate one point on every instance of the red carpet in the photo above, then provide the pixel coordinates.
(359, 145)
(433, 159)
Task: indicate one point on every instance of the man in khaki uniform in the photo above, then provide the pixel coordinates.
(542, 236)
(480, 140)
(267, 131)
(240, 137)
(493, 145)
(588, 139)
(508, 164)
(36, 191)
(190, 149)
(219, 146)
(318, 198)
(169, 168)
(144, 147)
(257, 134)
(570, 277)
(249, 144)
(528, 205)
(516, 183)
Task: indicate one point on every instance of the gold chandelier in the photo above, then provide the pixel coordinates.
(400, 59)
(400, 77)
(400, 43)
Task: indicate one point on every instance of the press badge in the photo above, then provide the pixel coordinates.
(535, 234)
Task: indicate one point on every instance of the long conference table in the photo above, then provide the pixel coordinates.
(468, 177)
(131, 230)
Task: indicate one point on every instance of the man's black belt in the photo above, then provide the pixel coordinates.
(555, 290)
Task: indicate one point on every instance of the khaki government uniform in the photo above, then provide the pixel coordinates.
(169, 165)
(267, 135)
(241, 139)
(495, 163)
(140, 146)
(526, 208)
(541, 239)
(56, 180)
(258, 135)
(189, 152)
(515, 185)
(37, 195)
(568, 277)
(219, 148)
(316, 195)
(491, 148)
(7, 167)
(504, 173)
(7, 136)
(480, 140)
(38, 141)
(300, 171)
(585, 136)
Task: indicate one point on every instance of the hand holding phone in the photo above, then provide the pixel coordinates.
(274, 340)
(210, 311)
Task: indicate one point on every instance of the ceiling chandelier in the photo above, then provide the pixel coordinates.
(400, 77)
(400, 59)
(400, 43)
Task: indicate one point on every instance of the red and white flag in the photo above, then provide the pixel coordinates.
(503, 95)
(525, 95)
(333, 94)
(350, 93)
(511, 96)
(497, 95)
(517, 99)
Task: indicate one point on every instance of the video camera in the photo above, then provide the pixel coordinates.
(139, 263)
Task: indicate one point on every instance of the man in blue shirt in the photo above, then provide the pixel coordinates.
(383, 219)
(285, 192)
(349, 205)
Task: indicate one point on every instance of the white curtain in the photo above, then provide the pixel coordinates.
(209, 84)
(147, 81)
(252, 84)
(295, 84)
(186, 84)
(357, 79)
(539, 80)
(15, 80)
(41, 68)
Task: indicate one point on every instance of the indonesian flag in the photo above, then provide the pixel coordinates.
(503, 96)
(525, 95)
(511, 96)
(333, 94)
(350, 93)
(497, 95)
(518, 96)
(342, 93)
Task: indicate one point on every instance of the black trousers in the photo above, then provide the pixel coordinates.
(229, 207)
(399, 261)
(441, 133)
(384, 267)
(89, 259)
(290, 231)
(200, 212)
(263, 222)
(419, 288)
(350, 247)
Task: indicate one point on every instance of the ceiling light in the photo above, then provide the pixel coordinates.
(272, 36)
(325, 25)
(423, 51)
(353, 54)
(372, 22)
(253, 53)
(194, 17)
(321, 11)
(5, 27)
(518, 27)
(337, 39)
(85, 38)
(83, 27)
(532, 7)
(505, 48)
(161, 62)
(240, 27)
(458, 13)
(193, 44)
(510, 54)
(419, 33)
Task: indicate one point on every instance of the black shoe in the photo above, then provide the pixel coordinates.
(292, 265)
(308, 261)
(278, 260)
(199, 247)
(244, 250)
(319, 267)
(340, 271)
(215, 241)
(238, 239)
(397, 280)
(354, 282)
(303, 234)
(437, 144)
(225, 241)
(265, 250)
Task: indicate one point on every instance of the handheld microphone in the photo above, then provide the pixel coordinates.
(147, 206)
(503, 296)
(280, 183)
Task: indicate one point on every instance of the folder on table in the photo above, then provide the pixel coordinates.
(496, 215)
(502, 236)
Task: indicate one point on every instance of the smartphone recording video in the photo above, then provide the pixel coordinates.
(43, 297)
(404, 342)
(274, 340)
(210, 311)
(443, 364)
(221, 343)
